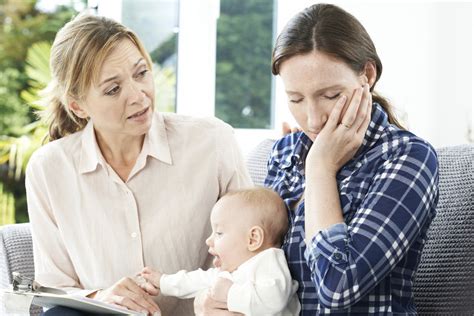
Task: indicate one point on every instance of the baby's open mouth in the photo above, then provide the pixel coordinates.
(217, 260)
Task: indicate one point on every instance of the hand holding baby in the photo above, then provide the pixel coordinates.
(220, 289)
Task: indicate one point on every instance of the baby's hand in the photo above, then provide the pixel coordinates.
(220, 289)
(150, 280)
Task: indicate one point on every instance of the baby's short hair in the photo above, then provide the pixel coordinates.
(270, 210)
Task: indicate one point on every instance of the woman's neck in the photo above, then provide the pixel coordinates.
(120, 151)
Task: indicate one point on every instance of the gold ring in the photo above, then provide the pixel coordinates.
(345, 125)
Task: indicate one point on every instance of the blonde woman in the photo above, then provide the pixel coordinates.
(120, 186)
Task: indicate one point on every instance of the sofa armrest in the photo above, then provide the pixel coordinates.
(16, 254)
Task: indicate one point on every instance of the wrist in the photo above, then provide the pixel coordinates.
(322, 172)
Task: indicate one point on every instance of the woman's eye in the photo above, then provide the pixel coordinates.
(142, 73)
(296, 101)
(218, 234)
(333, 96)
(113, 91)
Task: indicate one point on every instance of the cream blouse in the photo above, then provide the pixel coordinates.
(90, 228)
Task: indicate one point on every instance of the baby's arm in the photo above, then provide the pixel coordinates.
(185, 284)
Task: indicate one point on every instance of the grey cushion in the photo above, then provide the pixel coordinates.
(445, 278)
(16, 254)
(257, 161)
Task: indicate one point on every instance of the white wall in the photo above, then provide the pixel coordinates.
(426, 51)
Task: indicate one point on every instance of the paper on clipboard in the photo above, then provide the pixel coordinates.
(25, 292)
(17, 302)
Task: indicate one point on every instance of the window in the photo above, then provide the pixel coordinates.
(243, 96)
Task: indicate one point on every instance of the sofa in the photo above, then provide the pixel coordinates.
(444, 283)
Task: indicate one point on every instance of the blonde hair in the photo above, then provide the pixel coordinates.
(269, 208)
(77, 55)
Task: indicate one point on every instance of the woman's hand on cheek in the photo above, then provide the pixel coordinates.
(340, 138)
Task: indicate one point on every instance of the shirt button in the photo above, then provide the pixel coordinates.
(337, 256)
(134, 235)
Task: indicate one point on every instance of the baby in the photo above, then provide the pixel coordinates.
(251, 274)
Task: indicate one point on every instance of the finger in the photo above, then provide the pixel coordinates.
(150, 289)
(150, 278)
(349, 117)
(363, 108)
(285, 128)
(128, 303)
(140, 296)
(147, 270)
(363, 128)
(210, 303)
(335, 114)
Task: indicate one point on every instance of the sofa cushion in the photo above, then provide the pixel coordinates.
(445, 278)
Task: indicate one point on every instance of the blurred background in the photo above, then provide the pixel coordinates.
(212, 58)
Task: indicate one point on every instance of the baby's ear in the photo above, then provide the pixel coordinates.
(255, 238)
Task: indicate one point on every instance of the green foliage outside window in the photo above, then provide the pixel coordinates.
(243, 69)
(25, 38)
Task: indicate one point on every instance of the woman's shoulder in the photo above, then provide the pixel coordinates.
(399, 144)
(288, 146)
(56, 151)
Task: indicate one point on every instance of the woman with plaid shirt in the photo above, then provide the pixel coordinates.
(360, 190)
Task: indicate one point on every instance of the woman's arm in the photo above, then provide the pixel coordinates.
(348, 261)
(53, 266)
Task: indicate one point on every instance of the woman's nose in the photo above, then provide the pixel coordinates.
(315, 118)
(136, 94)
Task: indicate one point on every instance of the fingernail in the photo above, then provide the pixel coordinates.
(156, 314)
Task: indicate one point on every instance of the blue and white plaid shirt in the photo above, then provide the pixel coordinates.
(388, 195)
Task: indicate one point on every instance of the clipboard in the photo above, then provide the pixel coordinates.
(50, 297)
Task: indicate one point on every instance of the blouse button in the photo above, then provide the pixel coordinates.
(134, 235)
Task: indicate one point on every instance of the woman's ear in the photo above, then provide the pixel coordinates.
(370, 73)
(78, 110)
(255, 238)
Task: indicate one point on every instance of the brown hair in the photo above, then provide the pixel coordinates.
(77, 54)
(331, 30)
(270, 210)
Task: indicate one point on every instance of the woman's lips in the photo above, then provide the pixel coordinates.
(139, 114)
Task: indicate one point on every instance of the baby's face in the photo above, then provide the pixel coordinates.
(229, 238)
